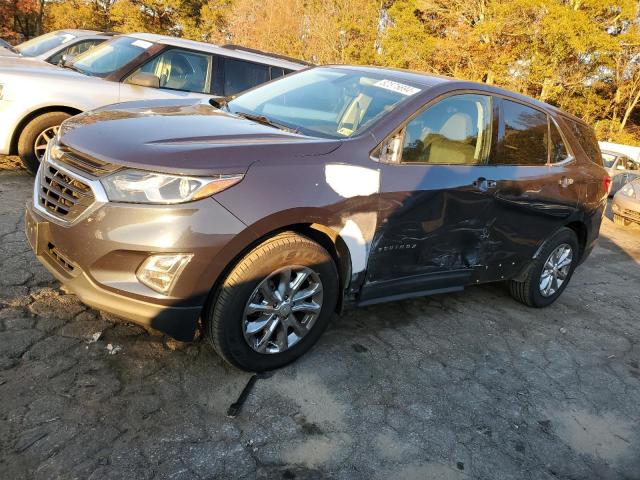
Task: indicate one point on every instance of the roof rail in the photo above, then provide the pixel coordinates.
(232, 46)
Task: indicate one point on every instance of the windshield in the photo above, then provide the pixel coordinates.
(325, 102)
(43, 43)
(110, 56)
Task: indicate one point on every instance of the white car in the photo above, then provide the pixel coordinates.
(622, 163)
(51, 47)
(35, 100)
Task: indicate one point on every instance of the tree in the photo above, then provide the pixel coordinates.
(214, 21)
(581, 55)
(169, 17)
(320, 31)
(71, 14)
(19, 19)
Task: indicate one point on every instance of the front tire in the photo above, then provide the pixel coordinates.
(34, 137)
(549, 274)
(274, 304)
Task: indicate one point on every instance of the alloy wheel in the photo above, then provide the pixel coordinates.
(282, 309)
(556, 269)
(42, 140)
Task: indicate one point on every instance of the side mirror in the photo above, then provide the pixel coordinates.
(143, 79)
(218, 101)
(389, 151)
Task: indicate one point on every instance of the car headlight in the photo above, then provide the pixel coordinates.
(628, 190)
(137, 186)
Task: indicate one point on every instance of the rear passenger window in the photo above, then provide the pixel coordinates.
(587, 140)
(558, 148)
(240, 75)
(456, 130)
(277, 72)
(523, 135)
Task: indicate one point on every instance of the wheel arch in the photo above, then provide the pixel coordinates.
(580, 229)
(13, 149)
(577, 226)
(328, 238)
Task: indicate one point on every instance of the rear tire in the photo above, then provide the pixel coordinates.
(530, 290)
(34, 134)
(230, 328)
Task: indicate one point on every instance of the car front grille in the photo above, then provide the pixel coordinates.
(62, 195)
(86, 164)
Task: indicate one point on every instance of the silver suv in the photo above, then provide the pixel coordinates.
(34, 100)
(51, 47)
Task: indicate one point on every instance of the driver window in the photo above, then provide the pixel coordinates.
(456, 130)
(181, 70)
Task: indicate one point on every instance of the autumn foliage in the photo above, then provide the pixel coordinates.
(582, 55)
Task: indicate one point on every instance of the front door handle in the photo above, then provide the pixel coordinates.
(483, 184)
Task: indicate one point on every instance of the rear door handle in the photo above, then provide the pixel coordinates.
(483, 184)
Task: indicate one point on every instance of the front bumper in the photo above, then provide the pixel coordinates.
(9, 118)
(626, 207)
(96, 258)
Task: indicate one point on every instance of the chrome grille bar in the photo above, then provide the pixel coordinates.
(92, 166)
(62, 195)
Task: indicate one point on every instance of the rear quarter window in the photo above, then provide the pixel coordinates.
(522, 136)
(240, 75)
(587, 139)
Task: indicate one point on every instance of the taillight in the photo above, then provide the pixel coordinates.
(606, 182)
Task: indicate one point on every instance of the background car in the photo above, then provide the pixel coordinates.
(51, 47)
(620, 168)
(626, 204)
(4, 45)
(35, 100)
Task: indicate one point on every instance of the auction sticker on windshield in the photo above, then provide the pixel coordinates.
(142, 44)
(396, 87)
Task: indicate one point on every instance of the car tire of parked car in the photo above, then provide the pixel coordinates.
(235, 329)
(529, 290)
(620, 220)
(32, 132)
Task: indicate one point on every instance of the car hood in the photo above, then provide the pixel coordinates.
(34, 66)
(182, 136)
(5, 52)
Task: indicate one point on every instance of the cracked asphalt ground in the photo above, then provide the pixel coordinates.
(469, 385)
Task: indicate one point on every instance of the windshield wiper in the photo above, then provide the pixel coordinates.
(266, 121)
